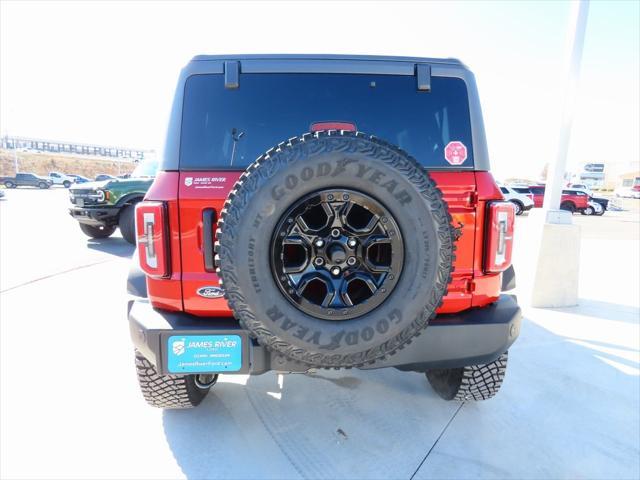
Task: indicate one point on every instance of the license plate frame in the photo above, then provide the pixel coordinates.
(193, 353)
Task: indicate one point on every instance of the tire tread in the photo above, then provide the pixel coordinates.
(165, 391)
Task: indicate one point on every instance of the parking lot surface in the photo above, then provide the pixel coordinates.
(70, 405)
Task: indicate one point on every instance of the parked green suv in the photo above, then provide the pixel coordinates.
(101, 207)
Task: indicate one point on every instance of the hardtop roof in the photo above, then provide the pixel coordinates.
(297, 56)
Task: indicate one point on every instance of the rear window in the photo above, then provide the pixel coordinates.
(229, 128)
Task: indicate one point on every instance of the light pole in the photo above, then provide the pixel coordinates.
(575, 45)
(557, 271)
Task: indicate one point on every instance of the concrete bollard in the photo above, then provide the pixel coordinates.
(555, 282)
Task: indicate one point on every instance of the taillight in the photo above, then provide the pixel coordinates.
(152, 238)
(500, 220)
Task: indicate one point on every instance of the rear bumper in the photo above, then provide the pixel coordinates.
(472, 337)
(95, 216)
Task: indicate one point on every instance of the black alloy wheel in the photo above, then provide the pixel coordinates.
(337, 254)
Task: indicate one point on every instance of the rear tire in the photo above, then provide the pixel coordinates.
(127, 224)
(43, 185)
(9, 184)
(475, 382)
(168, 391)
(66, 184)
(568, 206)
(588, 211)
(96, 232)
(518, 206)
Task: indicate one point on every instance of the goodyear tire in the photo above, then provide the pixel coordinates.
(265, 214)
(97, 232)
(127, 223)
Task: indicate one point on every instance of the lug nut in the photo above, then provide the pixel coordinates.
(335, 233)
(319, 243)
(352, 242)
(335, 271)
(351, 261)
(319, 261)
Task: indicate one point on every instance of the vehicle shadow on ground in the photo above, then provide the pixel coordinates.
(564, 400)
(113, 246)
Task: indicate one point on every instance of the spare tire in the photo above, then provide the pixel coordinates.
(335, 249)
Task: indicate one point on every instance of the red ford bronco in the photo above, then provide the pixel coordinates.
(323, 212)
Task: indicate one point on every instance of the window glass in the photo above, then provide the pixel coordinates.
(230, 128)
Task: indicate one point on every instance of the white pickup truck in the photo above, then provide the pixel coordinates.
(61, 179)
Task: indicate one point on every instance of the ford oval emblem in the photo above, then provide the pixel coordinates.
(210, 292)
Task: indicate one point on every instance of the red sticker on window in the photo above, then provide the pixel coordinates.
(455, 153)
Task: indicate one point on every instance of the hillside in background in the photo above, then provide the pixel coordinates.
(43, 163)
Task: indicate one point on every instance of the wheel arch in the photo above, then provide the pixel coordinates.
(130, 199)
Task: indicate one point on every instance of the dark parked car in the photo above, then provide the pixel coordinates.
(79, 179)
(103, 176)
(26, 180)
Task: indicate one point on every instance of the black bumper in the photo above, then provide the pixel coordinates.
(95, 216)
(472, 337)
(526, 208)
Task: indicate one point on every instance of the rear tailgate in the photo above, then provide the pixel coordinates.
(203, 191)
(198, 193)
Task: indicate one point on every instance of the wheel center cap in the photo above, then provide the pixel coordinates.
(336, 253)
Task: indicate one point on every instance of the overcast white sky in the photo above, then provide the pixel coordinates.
(105, 72)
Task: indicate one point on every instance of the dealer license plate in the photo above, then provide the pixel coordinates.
(204, 353)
